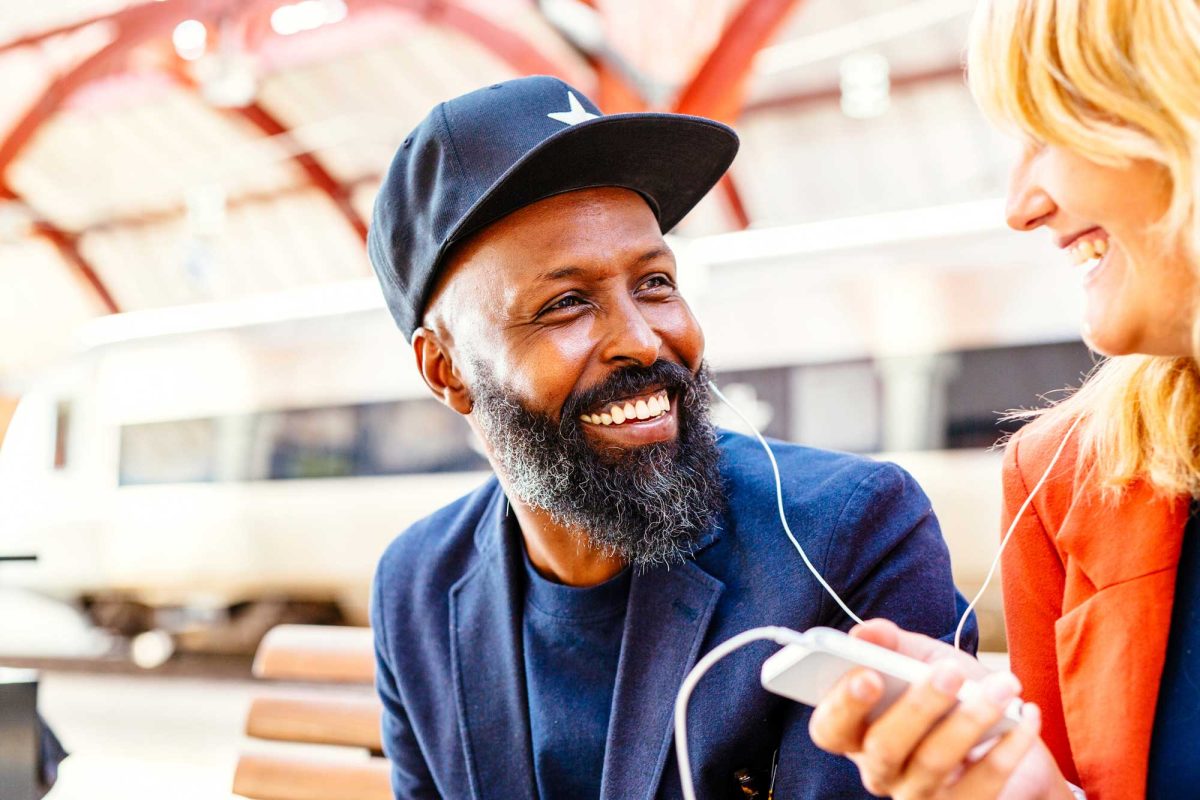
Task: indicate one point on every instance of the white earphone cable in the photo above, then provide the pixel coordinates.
(782, 515)
(1008, 534)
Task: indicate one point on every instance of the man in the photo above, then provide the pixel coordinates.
(532, 636)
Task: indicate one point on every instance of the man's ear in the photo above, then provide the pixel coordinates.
(437, 368)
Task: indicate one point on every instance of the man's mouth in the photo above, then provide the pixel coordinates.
(628, 410)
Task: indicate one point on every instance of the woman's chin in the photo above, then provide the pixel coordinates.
(1106, 336)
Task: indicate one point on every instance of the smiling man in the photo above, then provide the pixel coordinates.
(531, 637)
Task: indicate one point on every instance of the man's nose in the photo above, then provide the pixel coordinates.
(631, 339)
(1028, 205)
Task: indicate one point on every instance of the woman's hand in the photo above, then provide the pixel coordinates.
(924, 746)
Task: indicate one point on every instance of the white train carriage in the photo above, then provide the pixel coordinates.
(203, 457)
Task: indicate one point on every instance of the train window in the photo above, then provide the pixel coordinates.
(62, 434)
(304, 443)
(838, 406)
(181, 451)
(762, 395)
(415, 436)
(995, 380)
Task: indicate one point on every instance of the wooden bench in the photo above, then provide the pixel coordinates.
(337, 709)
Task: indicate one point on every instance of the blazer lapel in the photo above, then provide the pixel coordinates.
(668, 614)
(488, 668)
(1112, 637)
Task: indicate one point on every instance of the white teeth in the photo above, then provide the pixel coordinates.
(617, 414)
(1089, 250)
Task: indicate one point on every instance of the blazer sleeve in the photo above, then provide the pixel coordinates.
(1033, 579)
(411, 778)
(886, 557)
(893, 563)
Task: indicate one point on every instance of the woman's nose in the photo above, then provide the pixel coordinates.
(1028, 205)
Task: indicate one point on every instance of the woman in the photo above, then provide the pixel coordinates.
(1102, 574)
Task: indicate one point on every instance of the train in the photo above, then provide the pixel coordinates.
(204, 472)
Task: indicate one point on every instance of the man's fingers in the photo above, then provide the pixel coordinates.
(986, 778)
(948, 746)
(889, 743)
(838, 723)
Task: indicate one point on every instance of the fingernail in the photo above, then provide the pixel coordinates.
(946, 678)
(1031, 713)
(862, 687)
(1001, 688)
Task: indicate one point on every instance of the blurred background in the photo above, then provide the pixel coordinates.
(209, 423)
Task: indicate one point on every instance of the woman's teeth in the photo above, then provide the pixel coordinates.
(1086, 250)
(631, 411)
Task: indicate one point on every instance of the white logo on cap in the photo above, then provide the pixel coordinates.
(577, 113)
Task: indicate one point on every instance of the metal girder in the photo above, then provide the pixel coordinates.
(718, 87)
(318, 176)
(67, 245)
(140, 23)
(733, 200)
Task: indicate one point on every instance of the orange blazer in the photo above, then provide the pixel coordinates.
(1088, 589)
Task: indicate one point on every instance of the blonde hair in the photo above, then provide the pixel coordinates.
(1116, 81)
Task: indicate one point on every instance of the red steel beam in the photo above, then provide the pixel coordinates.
(733, 201)
(68, 248)
(316, 172)
(513, 49)
(135, 25)
(318, 176)
(718, 88)
(138, 24)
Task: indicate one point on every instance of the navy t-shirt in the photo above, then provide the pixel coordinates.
(572, 639)
(1175, 745)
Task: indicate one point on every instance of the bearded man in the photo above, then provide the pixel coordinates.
(531, 637)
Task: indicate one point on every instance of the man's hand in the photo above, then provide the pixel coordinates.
(924, 746)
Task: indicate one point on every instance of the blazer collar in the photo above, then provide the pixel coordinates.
(487, 662)
(1111, 639)
(667, 618)
(668, 615)
(1147, 526)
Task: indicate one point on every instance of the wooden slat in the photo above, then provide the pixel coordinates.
(317, 653)
(262, 777)
(349, 721)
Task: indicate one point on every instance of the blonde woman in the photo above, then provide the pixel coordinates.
(1102, 573)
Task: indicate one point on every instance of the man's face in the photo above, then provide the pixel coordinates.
(583, 365)
(559, 295)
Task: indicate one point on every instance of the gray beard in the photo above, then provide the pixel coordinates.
(649, 505)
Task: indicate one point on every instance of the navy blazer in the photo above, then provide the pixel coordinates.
(448, 597)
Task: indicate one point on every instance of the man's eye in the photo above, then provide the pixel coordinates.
(565, 302)
(656, 282)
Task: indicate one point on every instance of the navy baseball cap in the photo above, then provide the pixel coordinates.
(488, 153)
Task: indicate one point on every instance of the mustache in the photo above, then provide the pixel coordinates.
(627, 381)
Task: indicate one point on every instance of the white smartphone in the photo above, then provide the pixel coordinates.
(807, 671)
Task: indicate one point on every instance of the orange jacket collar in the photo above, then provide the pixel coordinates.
(1119, 560)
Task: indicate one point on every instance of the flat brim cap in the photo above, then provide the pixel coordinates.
(483, 156)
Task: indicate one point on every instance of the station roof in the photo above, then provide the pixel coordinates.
(161, 153)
